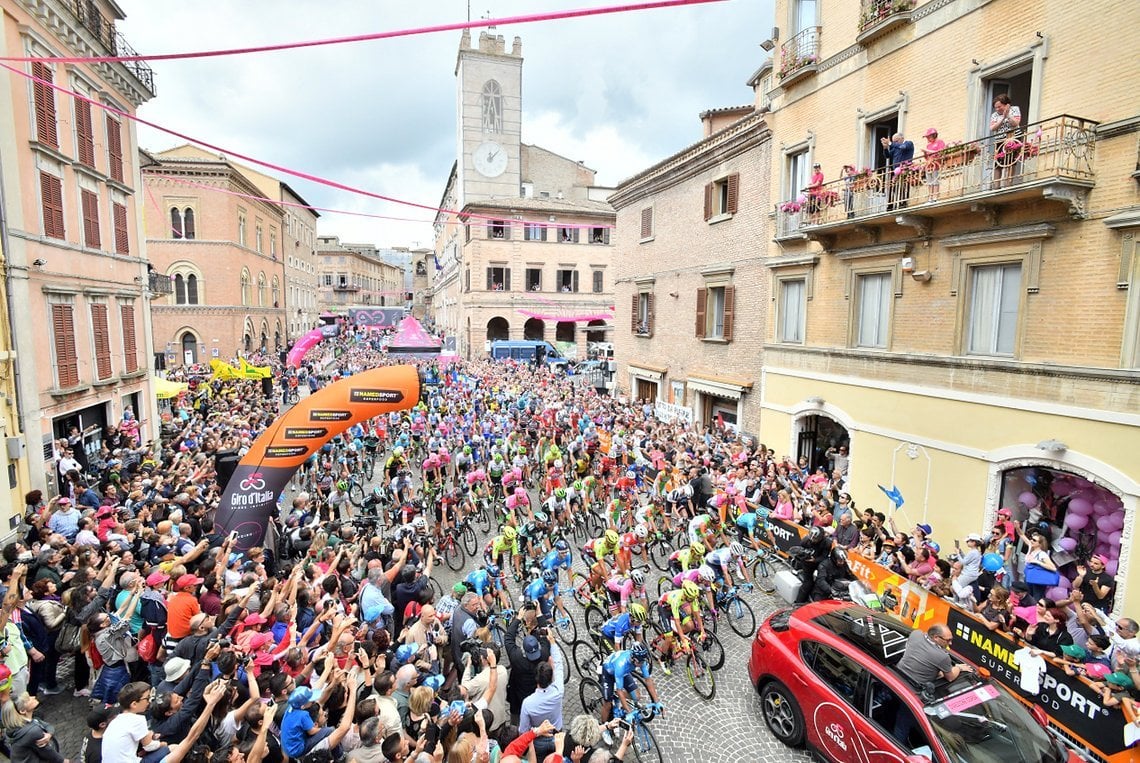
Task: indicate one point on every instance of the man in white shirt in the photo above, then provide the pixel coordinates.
(67, 464)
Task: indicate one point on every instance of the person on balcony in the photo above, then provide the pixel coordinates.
(815, 191)
(1005, 122)
(899, 153)
(848, 175)
(931, 162)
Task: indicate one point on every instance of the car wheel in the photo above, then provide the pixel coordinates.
(781, 714)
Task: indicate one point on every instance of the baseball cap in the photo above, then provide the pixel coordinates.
(532, 650)
(1101, 558)
(64, 501)
(433, 682)
(926, 529)
(259, 640)
(185, 581)
(975, 537)
(459, 589)
(1097, 669)
(254, 619)
(373, 613)
(929, 132)
(101, 715)
(157, 578)
(1074, 650)
(300, 696)
(1004, 513)
(162, 551)
(1123, 680)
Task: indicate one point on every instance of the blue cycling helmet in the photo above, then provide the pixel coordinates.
(493, 570)
(562, 545)
(992, 562)
(639, 651)
(549, 576)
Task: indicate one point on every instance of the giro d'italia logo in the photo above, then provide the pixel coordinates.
(253, 482)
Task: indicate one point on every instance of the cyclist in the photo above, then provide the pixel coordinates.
(506, 542)
(687, 558)
(622, 588)
(722, 559)
(432, 470)
(518, 500)
(618, 681)
(395, 462)
(558, 506)
(338, 501)
(597, 549)
(495, 470)
(558, 558)
(624, 624)
(487, 582)
(703, 528)
(543, 591)
(678, 608)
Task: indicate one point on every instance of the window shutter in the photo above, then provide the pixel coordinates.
(101, 332)
(51, 196)
(191, 289)
(709, 189)
(66, 361)
(175, 223)
(90, 203)
(733, 192)
(179, 289)
(605, 235)
(122, 240)
(490, 279)
(506, 279)
(702, 307)
(47, 132)
(577, 233)
(647, 222)
(729, 307)
(85, 134)
(652, 313)
(633, 313)
(543, 236)
(574, 281)
(130, 346)
(115, 149)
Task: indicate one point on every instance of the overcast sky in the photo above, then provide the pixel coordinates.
(619, 92)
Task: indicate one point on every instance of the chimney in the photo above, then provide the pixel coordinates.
(516, 47)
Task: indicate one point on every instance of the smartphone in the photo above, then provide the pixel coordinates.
(624, 724)
(233, 534)
(458, 706)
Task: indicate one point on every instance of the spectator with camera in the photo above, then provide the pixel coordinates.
(486, 680)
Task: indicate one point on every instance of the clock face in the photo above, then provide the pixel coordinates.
(490, 159)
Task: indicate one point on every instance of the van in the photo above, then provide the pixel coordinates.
(525, 351)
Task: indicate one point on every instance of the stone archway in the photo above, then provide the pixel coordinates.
(595, 331)
(565, 331)
(534, 329)
(498, 328)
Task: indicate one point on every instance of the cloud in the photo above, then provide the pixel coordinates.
(618, 92)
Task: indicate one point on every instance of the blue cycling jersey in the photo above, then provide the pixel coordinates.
(616, 628)
(479, 581)
(747, 522)
(536, 590)
(554, 559)
(619, 666)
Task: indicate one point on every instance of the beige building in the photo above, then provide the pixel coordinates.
(73, 251)
(218, 235)
(976, 341)
(422, 263)
(690, 329)
(354, 275)
(530, 250)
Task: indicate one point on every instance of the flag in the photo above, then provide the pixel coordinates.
(223, 370)
(894, 495)
(435, 257)
(249, 371)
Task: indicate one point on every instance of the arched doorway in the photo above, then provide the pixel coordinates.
(534, 329)
(595, 331)
(816, 434)
(564, 331)
(498, 329)
(189, 349)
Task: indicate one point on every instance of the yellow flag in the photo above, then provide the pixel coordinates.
(254, 372)
(223, 370)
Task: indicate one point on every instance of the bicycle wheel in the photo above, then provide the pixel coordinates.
(595, 617)
(590, 695)
(763, 574)
(659, 552)
(356, 494)
(645, 747)
(740, 616)
(484, 517)
(581, 587)
(565, 627)
(594, 525)
(452, 552)
(369, 468)
(437, 587)
(470, 541)
(700, 675)
(713, 651)
(586, 659)
(664, 583)
(499, 636)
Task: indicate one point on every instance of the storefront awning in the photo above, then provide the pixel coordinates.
(652, 373)
(719, 386)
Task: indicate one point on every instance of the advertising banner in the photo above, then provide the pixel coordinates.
(250, 495)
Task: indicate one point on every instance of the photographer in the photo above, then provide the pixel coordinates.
(524, 662)
(486, 682)
(545, 704)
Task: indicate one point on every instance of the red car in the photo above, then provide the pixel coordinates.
(825, 673)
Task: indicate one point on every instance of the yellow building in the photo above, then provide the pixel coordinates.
(969, 323)
(356, 274)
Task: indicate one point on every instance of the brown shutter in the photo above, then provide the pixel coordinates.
(709, 190)
(102, 341)
(115, 149)
(122, 240)
(733, 192)
(574, 281)
(47, 132)
(85, 133)
(51, 196)
(506, 279)
(66, 361)
(729, 307)
(90, 204)
(647, 222)
(130, 347)
(651, 312)
(633, 313)
(702, 306)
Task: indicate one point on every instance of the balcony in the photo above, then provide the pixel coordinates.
(159, 284)
(1052, 160)
(87, 13)
(878, 17)
(799, 56)
(344, 286)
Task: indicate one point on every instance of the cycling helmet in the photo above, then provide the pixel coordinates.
(493, 570)
(562, 545)
(638, 578)
(815, 534)
(509, 532)
(631, 474)
(520, 492)
(550, 577)
(404, 653)
(558, 463)
(560, 492)
(639, 651)
(736, 548)
(629, 540)
(992, 562)
(377, 492)
(641, 531)
(341, 485)
(467, 450)
(612, 538)
(398, 451)
(690, 591)
(498, 456)
(638, 613)
(697, 550)
(706, 573)
(838, 556)
(419, 523)
(541, 518)
(934, 547)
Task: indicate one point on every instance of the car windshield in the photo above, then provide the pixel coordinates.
(985, 725)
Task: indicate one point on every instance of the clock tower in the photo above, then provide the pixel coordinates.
(489, 123)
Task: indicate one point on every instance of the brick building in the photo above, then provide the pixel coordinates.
(690, 284)
(977, 341)
(355, 275)
(74, 260)
(219, 238)
(531, 243)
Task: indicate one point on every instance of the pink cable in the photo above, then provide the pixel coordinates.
(528, 18)
(464, 216)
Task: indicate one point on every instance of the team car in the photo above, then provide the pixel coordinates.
(826, 677)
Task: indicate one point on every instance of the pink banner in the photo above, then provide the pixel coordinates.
(567, 318)
(303, 345)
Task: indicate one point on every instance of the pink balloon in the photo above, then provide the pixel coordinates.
(1062, 487)
(1100, 507)
(1111, 567)
(1068, 544)
(1028, 500)
(1104, 524)
(1117, 520)
(1065, 583)
(1080, 506)
(1114, 539)
(1076, 521)
(1055, 594)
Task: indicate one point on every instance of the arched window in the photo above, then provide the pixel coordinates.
(276, 292)
(261, 289)
(244, 286)
(179, 289)
(189, 348)
(191, 289)
(175, 222)
(188, 223)
(492, 107)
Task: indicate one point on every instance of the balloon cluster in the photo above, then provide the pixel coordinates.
(1090, 511)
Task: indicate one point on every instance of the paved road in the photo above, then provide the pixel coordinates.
(726, 729)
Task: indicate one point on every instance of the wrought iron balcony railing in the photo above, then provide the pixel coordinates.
(875, 12)
(87, 13)
(799, 54)
(159, 283)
